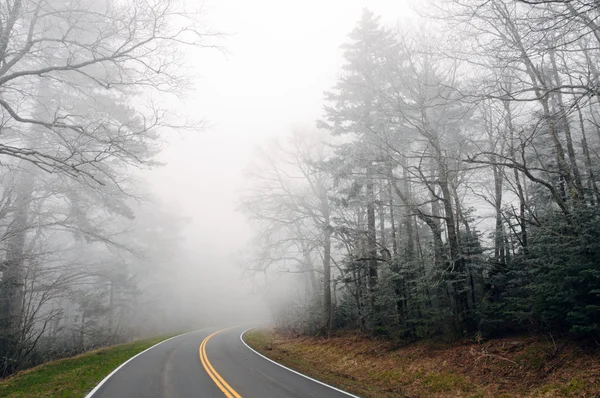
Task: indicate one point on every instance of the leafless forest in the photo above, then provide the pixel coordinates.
(450, 185)
(77, 121)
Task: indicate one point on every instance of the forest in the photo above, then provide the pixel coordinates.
(450, 187)
(83, 249)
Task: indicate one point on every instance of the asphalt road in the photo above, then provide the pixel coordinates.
(208, 363)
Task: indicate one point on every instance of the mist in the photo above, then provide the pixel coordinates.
(405, 169)
(261, 87)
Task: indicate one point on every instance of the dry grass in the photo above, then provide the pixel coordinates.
(511, 367)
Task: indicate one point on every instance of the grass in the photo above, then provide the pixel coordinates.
(72, 377)
(511, 367)
(312, 361)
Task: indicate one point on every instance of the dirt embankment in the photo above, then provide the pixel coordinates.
(509, 367)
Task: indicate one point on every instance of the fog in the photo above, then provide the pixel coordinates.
(393, 167)
(278, 59)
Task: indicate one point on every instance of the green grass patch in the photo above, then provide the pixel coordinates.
(442, 382)
(572, 388)
(72, 377)
(258, 340)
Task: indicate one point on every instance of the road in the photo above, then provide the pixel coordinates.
(208, 363)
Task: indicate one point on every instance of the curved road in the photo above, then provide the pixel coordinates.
(208, 363)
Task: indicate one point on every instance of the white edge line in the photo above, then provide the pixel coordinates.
(291, 370)
(91, 393)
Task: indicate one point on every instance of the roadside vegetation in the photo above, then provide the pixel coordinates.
(451, 188)
(507, 367)
(72, 377)
(449, 193)
(87, 246)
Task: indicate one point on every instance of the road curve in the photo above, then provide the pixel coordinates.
(208, 363)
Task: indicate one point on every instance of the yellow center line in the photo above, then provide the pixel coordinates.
(222, 384)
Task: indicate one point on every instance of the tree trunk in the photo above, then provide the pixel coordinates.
(12, 286)
(567, 127)
(540, 89)
(499, 248)
(327, 281)
(410, 241)
(393, 225)
(371, 234)
(520, 191)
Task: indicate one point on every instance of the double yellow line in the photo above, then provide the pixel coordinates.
(226, 388)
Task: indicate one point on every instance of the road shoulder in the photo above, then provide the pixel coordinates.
(73, 377)
(516, 367)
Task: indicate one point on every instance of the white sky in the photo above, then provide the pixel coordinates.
(282, 56)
